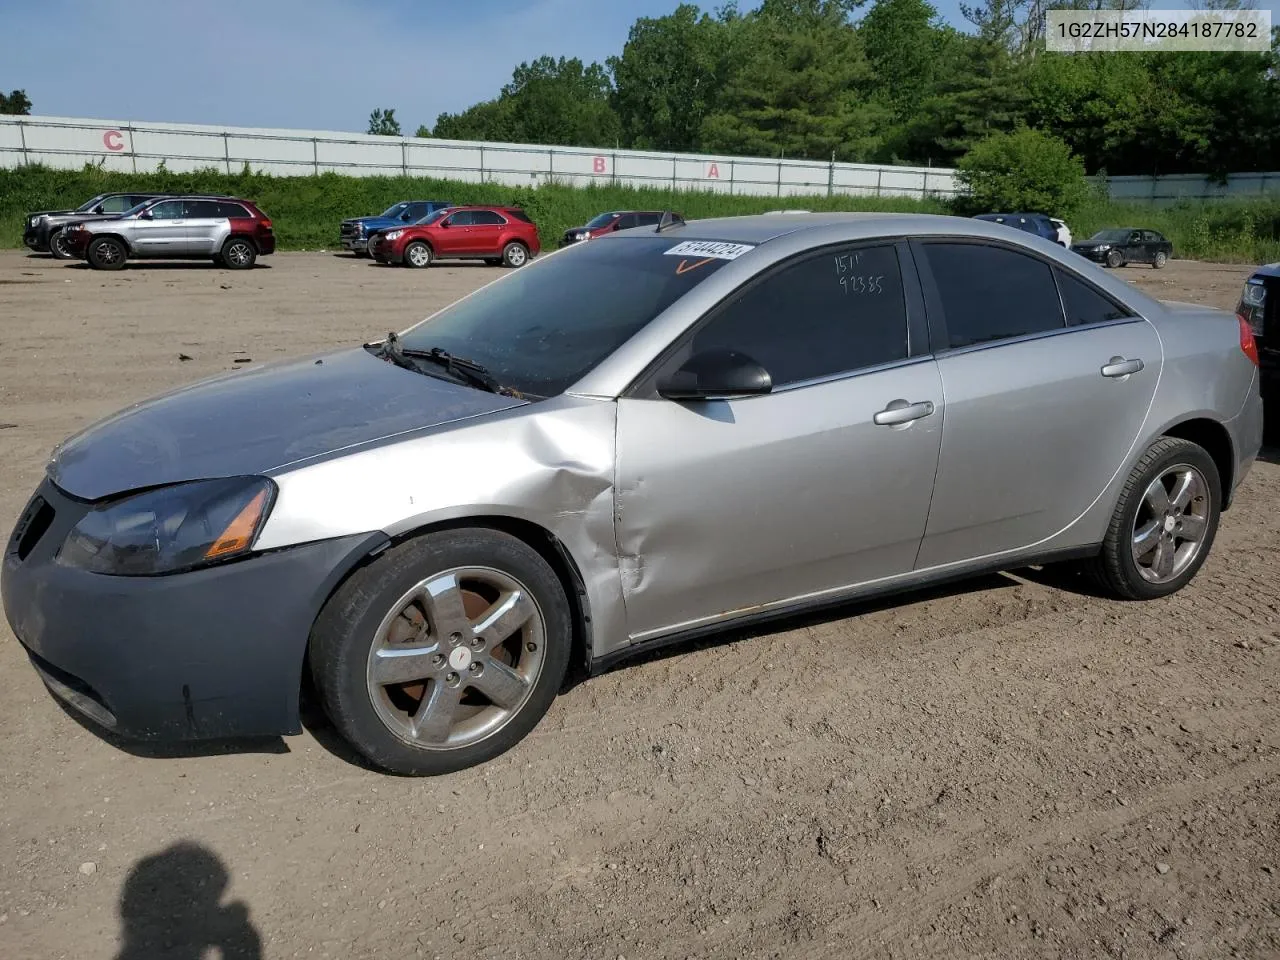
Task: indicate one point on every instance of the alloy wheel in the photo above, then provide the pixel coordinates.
(1170, 526)
(456, 658)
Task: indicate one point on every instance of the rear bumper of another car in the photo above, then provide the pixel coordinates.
(211, 653)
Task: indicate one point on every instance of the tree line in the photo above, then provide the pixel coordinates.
(886, 82)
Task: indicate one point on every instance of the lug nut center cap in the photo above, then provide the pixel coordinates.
(460, 658)
(1170, 524)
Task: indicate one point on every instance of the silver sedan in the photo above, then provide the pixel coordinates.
(631, 442)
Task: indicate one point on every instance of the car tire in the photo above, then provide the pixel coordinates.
(1147, 526)
(107, 253)
(515, 254)
(418, 254)
(1161, 259)
(237, 254)
(58, 246)
(435, 712)
(1115, 259)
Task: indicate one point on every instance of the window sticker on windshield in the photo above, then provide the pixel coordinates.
(712, 249)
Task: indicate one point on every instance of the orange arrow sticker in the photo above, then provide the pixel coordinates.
(685, 266)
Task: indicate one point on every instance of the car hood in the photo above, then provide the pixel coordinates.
(256, 420)
(49, 213)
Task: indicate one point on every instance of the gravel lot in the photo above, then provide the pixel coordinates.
(1006, 768)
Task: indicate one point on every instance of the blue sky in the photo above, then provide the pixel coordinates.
(313, 64)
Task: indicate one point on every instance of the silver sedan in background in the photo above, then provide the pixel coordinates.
(633, 441)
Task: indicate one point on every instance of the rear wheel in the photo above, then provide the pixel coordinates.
(1115, 259)
(107, 253)
(238, 254)
(417, 254)
(1164, 523)
(515, 254)
(1161, 259)
(444, 652)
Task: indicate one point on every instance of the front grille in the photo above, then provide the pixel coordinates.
(32, 525)
(349, 230)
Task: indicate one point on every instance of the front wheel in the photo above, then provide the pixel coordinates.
(444, 652)
(58, 246)
(1164, 523)
(417, 254)
(106, 253)
(1161, 259)
(1115, 259)
(515, 254)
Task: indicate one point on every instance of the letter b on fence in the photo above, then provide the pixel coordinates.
(598, 165)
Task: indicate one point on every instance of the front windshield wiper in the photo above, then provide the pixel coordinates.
(460, 368)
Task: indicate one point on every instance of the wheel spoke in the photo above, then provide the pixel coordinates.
(1157, 497)
(434, 717)
(1185, 486)
(1192, 528)
(502, 619)
(502, 685)
(1162, 565)
(1146, 539)
(404, 664)
(445, 610)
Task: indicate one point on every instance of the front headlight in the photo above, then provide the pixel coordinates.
(1102, 246)
(582, 236)
(170, 528)
(393, 235)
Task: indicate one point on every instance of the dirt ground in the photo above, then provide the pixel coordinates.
(1006, 768)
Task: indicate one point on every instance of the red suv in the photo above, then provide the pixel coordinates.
(496, 235)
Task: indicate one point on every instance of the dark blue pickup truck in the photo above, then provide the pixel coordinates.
(355, 233)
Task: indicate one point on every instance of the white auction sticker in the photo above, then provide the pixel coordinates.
(712, 249)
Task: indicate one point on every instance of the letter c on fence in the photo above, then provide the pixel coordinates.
(113, 140)
(597, 165)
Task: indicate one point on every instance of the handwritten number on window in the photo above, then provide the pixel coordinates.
(852, 282)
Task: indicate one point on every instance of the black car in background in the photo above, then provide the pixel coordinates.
(1259, 307)
(1121, 245)
(43, 229)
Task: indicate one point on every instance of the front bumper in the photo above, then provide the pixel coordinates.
(386, 252)
(1097, 256)
(36, 238)
(76, 242)
(212, 653)
(355, 243)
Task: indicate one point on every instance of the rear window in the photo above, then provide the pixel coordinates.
(234, 211)
(543, 327)
(519, 215)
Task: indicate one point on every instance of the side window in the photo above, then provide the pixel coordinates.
(233, 211)
(992, 293)
(649, 219)
(1084, 305)
(486, 218)
(838, 311)
(202, 210)
(1135, 237)
(461, 219)
(166, 210)
(117, 204)
(520, 215)
(626, 222)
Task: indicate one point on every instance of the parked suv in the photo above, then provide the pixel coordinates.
(1037, 223)
(227, 230)
(611, 221)
(1259, 307)
(496, 235)
(354, 234)
(43, 232)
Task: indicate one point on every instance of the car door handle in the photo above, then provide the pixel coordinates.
(900, 411)
(1120, 367)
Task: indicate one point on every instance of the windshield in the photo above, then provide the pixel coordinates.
(602, 220)
(90, 204)
(391, 213)
(433, 217)
(1110, 236)
(542, 328)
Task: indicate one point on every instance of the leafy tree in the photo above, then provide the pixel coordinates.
(1023, 170)
(16, 103)
(384, 122)
(547, 101)
(422, 131)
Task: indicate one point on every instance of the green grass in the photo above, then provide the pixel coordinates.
(306, 210)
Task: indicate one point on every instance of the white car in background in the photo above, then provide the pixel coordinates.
(1064, 232)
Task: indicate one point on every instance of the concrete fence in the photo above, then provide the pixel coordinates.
(1170, 189)
(140, 147)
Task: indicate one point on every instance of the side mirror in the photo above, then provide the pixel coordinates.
(716, 375)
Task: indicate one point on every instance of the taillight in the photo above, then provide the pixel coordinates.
(1247, 343)
(264, 224)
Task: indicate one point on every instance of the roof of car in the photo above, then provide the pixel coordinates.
(760, 228)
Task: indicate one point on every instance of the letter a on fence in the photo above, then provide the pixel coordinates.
(714, 170)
